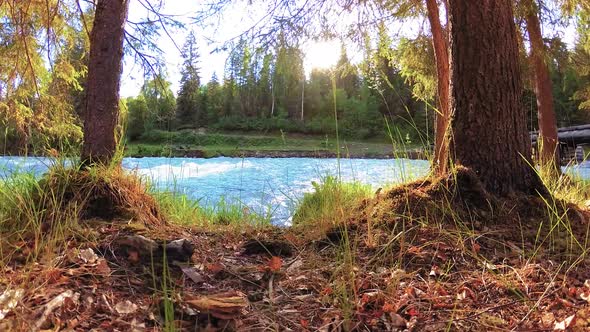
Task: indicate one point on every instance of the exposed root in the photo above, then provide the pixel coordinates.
(108, 194)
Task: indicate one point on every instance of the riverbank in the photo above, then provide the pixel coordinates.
(104, 255)
(199, 145)
(141, 150)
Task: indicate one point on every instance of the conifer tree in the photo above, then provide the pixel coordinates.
(188, 110)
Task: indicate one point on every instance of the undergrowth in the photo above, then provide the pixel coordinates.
(330, 202)
(446, 227)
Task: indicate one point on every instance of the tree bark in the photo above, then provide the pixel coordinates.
(104, 74)
(548, 141)
(441, 56)
(488, 127)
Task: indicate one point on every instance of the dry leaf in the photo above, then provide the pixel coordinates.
(398, 321)
(275, 264)
(214, 267)
(88, 256)
(582, 321)
(548, 319)
(193, 274)
(103, 267)
(125, 307)
(55, 303)
(563, 325)
(8, 301)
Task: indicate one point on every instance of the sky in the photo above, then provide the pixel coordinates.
(233, 22)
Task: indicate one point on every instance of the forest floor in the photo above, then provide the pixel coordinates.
(430, 255)
(269, 145)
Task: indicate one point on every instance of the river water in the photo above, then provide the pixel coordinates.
(268, 186)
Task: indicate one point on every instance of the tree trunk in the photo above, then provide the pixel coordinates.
(302, 97)
(441, 56)
(272, 107)
(548, 141)
(104, 74)
(488, 127)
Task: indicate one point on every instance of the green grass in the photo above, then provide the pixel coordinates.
(182, 210)
(330, 202)
(186, 142)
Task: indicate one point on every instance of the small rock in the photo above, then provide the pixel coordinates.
(179, 250)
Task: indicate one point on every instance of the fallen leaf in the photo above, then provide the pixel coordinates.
(304, 323)
(434, 271)
(490, 266)
(88, 256)
(475, 247)
(388, 307)
(214, 267)
(275, 264)
(8, 301)
(397, 321)
(548, 319)
(193, 274)
(103, 267)
(412, 312)
(582, 322)
(55, 303)
(563, 325)
(125, 307)
(53, 275)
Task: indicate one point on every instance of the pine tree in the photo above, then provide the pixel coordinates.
(188, 110)
(346, 74)
(214, 96)
(264, 86)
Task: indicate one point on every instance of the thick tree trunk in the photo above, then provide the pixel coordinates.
(488, 127)
(104, 73)
(548, 141)
(441, 56)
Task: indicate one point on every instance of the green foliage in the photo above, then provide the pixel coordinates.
(346, 74)
(137, 111)
(213, 100)
(160, 102)
(581, 58)
(330, 202)
(40, 79)
(189, 137)
(188, 108)
(416, 60)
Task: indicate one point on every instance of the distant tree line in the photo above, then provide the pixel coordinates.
(43, 83)
(267, 90)
(392, 90)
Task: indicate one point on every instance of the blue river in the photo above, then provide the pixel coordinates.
(268, 186)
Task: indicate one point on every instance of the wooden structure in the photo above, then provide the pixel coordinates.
(569, 139)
